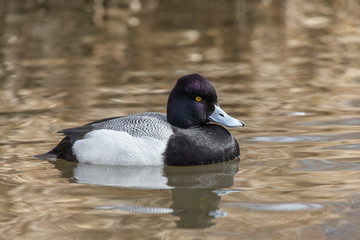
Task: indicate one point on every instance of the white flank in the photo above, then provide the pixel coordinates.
(110, 147)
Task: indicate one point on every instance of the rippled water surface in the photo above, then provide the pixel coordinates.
(289, 69)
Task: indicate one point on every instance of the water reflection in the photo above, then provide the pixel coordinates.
(196, 191)
(151, 177)
(195, 200)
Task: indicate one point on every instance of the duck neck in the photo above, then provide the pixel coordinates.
(178, 113)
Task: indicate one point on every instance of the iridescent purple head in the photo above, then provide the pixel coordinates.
(193, 102)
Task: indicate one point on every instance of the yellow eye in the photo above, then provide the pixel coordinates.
(198, 98)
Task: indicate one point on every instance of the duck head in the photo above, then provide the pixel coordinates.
(193, 102)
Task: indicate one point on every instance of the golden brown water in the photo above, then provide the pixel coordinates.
(289, 69)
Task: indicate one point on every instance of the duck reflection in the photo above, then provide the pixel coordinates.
(194, 195)
(196, 191)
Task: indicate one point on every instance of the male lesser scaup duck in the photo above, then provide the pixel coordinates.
(181, 137)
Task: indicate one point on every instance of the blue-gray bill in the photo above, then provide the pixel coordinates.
(221, 117)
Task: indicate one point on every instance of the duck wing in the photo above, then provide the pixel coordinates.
(138, 125)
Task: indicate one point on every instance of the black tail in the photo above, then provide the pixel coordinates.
(63, 150)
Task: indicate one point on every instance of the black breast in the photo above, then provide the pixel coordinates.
(201, 145)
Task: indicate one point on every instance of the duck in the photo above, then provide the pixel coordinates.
(191, 133)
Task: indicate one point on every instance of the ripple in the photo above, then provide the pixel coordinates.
(277, 207)
(286, 139)
(27, 112)
(336, 122)
(354, 103)
(295, 114)
(137, 209)
(217, 213)
(306, 138)
(329, 165)
(224, 192)
(345, 147)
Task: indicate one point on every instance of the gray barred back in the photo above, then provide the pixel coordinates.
(148, 124)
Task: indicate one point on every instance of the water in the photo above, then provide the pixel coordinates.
(289, 69)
